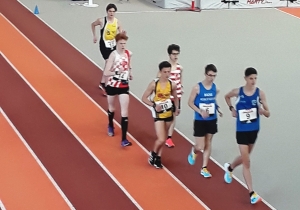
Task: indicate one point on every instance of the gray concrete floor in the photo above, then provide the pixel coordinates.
(266, 39)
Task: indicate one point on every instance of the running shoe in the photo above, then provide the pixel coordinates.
(169, 143)
(125, 143)
(255, 198)
(192, 157)
(228, 174)
(157, 163)
(151, 159)
(204, 172)
(111, 131)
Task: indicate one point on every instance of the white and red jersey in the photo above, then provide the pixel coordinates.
(121, 64)
(175, 76)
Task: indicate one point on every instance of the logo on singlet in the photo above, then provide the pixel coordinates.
(208, 94)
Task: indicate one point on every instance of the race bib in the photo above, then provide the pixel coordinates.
(165, 105)
(209, 108)
(247, 115)
(122, 76)
(110, 43)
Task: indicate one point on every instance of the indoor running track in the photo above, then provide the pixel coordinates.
(55, 153)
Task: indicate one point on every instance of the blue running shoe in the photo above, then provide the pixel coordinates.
(255, 198)
(228, 174)
(192, 158)
(125, 143)
(111, 131)
(204, 172)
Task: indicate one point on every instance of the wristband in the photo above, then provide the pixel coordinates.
(230, 108)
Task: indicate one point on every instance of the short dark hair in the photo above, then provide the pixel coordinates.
(173, 47)
(210, 67)
(164, 64)
(109, 6)
(250, 71)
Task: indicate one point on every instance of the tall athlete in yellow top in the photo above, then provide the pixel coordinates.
(110, 27)
(162, 108)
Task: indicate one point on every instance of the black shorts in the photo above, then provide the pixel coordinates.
(246, 137)
(112, 91)
(203, 127)
(168, 119)
(105, 52)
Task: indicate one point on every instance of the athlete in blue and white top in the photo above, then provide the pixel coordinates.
(203, 101)
(250, 104)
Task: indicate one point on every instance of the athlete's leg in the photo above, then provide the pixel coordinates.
(207, 149)
(160, 129)
(161, 132)
(199, 134)
(111, 114)
(238, 160)
(199, 146)
(124, 103)
(245, 156)
(169, 142)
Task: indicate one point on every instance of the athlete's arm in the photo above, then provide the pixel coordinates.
(228, 96)
(265, 111)
(108, 67)
(129, 66)
(120, 28)
(174, 94)
(218, 107)
(195, 91)
(181, 75)
(147, 93)
(93, 25)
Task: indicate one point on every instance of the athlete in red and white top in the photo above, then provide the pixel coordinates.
(175, 76)
(118, 73)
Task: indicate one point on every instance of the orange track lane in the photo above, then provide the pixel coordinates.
(292, 11)
(151, 188)
(24, 185)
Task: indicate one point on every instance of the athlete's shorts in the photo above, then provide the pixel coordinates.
(246, 137)
(112, 91)
(105, 52)
(168, 119)
(203, 127)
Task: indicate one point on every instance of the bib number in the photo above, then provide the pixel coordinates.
(209, 108)
(165, 105)
(246, 115)
(110, 43)
(122, 76)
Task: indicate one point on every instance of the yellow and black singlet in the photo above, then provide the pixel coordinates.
(109, 32)
(162, 97)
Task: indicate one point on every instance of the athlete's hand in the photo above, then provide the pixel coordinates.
(95, 39)
(203, 113)
(220, 113)
(233, 112)
(261, 111)
(158, 108)
(177, 112)
(130, 77)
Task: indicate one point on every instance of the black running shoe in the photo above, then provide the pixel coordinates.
(157, 162)
(151, 159)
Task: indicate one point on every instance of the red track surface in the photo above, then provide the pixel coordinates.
(88, 186)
